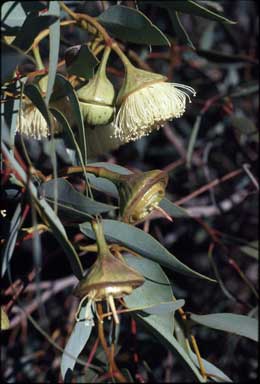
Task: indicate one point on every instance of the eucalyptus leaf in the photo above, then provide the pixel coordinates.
(77, 341)
(215, 373)
(141, 243)
(12, 14)
(31, 27)
(180, 31)
(131, 25)
(73, 207)
(54, 37)
(11, 58)
(172, 209)
(80, 63)
(12, 237)
(34, 94)
(220, 57)
(239, 324)
(193, 8)
(66, 89)
(156, 289)
(49, 216)
(193, 138)
(170, 342)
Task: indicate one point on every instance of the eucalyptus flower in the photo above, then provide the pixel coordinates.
(109, 278)
(146, 101)
(31, 123)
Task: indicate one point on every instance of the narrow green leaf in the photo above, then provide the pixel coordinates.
(180, 31)
(34, 94)
(239, 324)
(32, 6)
(66, 89)
(12, 236)
(223, 58)
(11, 58)
(31, 27)
(52, 219)
(73, 207)
(170, 342)
(80, 63)
(131, 25)
(173, 209)
(77, 341)
(61, 236)
(12, 14)
(193, 138)
(156, 289)
(215, 373)
(193, 8)
(141, 243)
(54, 10)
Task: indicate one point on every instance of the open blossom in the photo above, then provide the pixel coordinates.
(31, 123)
(146, 101)
(149, 108)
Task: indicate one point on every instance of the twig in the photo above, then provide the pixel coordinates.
(208, 186)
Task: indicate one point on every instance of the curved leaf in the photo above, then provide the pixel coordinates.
(155, 290)
(72, 205)
(67, 90)
(11, 57)
(34, 94)
(167, 339)
(49, 215)
(12, 236)
(83, 62)
(31, 27)
(172, 209)
(142, 243)
(76, 343)
(239, 324)
(54, 10)
(128, 24)
(193, 8)
(180, 31)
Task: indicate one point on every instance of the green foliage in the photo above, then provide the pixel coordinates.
(60, 188)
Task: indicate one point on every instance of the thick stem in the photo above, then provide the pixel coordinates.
(79, 17)
(101, 241)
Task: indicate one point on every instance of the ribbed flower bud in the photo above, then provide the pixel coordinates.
(97, 97)
(109, 277)
(140, 194)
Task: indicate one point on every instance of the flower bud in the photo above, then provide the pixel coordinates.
(96, 98)
(140, 194)
(109, 275)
